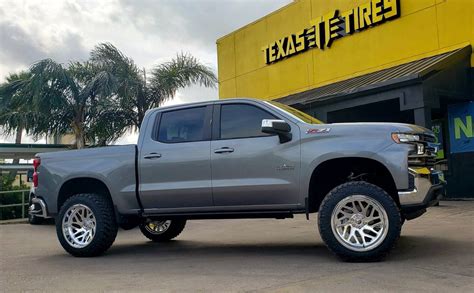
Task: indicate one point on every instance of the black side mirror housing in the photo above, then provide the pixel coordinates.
(279, 127)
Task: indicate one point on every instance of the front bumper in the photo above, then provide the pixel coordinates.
(427, 188)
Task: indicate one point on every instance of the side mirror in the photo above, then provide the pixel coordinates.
(279, 127)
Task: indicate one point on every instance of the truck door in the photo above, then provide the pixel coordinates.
(174, 160)
(251, 169)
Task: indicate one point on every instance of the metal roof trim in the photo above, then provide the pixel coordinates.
(414, 71)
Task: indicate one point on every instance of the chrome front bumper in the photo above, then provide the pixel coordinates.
(427, 190)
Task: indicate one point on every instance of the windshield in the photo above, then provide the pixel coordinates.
(297, 114)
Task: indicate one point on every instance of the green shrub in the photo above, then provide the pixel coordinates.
(7, 213)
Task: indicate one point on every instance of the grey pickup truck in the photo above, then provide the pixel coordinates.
(242, 158)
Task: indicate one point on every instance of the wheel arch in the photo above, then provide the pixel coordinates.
(82, 185)
(335, 171)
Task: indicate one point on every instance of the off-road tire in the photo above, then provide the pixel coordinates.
(175, 228)
(359, 188)
(106, 225)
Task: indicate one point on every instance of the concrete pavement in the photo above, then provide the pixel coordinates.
(434, 254)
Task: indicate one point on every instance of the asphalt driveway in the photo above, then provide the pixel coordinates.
(434, 254)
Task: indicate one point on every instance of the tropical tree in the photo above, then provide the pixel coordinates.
(96, 100)
(15, 117)
(15, 114)
(79, 99)
(138, 94)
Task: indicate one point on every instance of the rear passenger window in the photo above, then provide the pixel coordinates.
(242, 120)
(182, 125)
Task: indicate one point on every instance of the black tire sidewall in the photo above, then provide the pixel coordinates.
(374, 192)
(175, 228)
(106, 227)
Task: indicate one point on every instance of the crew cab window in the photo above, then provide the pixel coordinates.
(182, 125)
(241, 120)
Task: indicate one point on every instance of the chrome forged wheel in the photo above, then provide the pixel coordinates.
(79, 226)
(86, 225)
(359, 223)
(157, 227)
(162, 231)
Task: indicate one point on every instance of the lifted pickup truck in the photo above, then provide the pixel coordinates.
(242, 158)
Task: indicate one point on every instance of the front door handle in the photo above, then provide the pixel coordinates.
(152, 156)
(224, 150)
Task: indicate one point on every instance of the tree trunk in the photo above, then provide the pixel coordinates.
(141, 115)
(19, 132)
(79, 135)
(79, 140)
(18, 135)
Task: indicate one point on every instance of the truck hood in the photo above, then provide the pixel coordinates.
(372, 127)
(360, 135)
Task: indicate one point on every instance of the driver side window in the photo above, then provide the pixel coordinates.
(242, 121)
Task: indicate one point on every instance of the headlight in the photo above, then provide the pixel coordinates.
(405, 138)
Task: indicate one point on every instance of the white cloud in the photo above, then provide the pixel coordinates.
(149, 31)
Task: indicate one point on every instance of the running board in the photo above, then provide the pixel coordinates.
(221, 215)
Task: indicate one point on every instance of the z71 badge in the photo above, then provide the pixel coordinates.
(317, 130)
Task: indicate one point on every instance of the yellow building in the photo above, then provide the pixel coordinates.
(369, 60)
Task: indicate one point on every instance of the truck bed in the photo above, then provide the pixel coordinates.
(113, 165)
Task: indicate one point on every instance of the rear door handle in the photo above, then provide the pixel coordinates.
(152, 156)
(224, 150)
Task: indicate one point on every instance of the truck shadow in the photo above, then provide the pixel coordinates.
(408, 247)
(306, 250)
(210, 249)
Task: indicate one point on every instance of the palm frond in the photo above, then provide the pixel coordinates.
(14, 99)
(52, 85)
(180, 72)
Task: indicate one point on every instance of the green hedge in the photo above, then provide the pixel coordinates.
(7, 213)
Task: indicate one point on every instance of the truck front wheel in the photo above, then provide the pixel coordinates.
(86, 225)
(161, 231)
(359, 221)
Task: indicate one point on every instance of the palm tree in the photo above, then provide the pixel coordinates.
(15, 115)
(78, 99)
(136, 93)
(96, 100)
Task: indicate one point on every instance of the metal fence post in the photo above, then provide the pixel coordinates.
(22, 204)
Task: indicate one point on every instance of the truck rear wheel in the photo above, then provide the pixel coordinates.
(86, 225)
(359, 221)
(162, 231)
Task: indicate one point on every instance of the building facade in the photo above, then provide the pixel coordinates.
(362, 61)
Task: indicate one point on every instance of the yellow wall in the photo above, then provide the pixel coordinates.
(425, 28)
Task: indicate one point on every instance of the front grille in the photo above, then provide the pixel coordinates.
(428, 158)
(427, 137)
(421, 161)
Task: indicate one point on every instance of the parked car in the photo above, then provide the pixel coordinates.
(242, 158)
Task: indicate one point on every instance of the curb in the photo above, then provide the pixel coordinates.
(14, 221)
